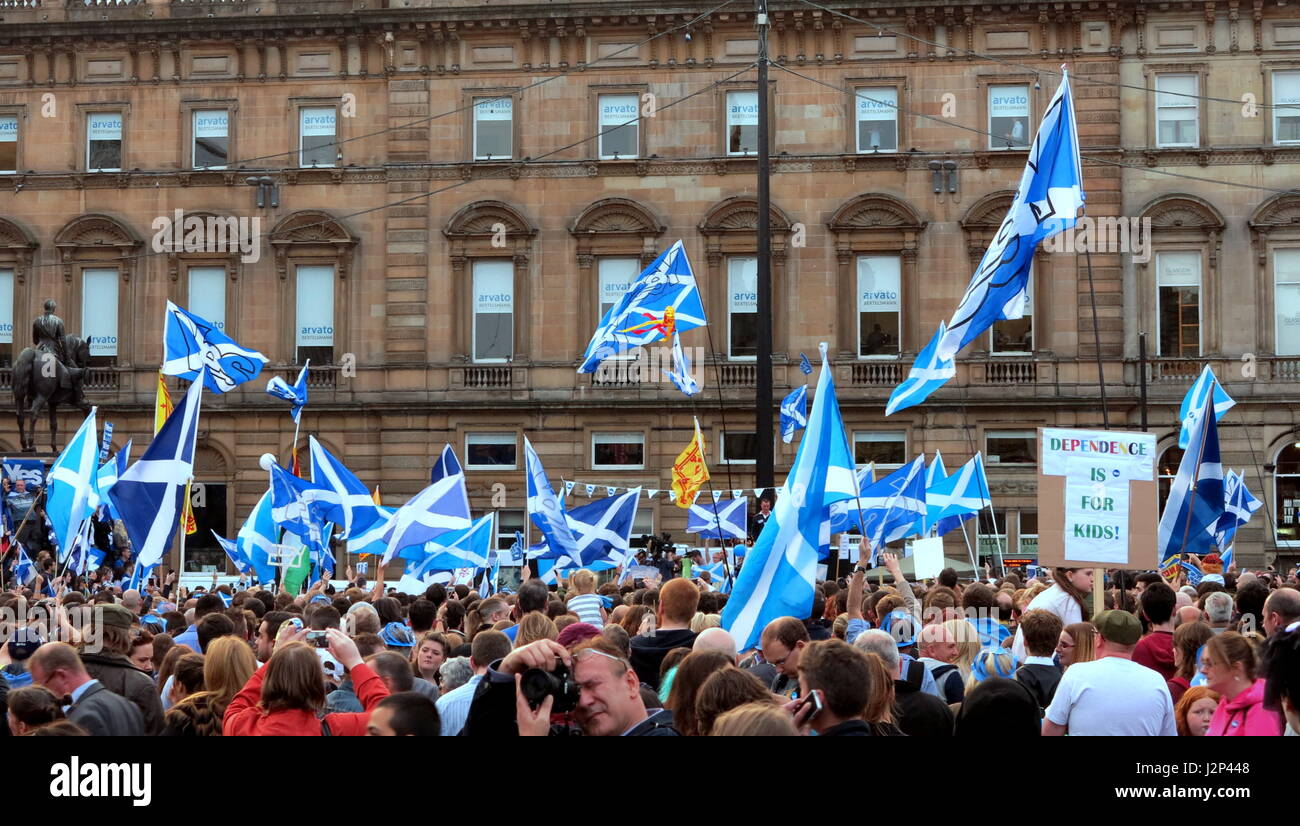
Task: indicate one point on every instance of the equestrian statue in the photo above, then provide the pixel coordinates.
(49, 374)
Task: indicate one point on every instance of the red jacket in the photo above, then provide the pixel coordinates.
(1245, 716)
(246, 718)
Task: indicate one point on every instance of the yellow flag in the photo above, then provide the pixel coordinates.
(689, 471)
(376, 497)
(190, 525)
(162, 406)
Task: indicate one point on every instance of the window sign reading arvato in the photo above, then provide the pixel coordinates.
(1098, 467)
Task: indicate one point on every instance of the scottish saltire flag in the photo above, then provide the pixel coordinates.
(1239, 505)
(256, 539)
(1047, 202)
(663, 300)
(71, 493)
(191, 343)
(959, 496)
(446, 465)
(108, 475)
(438, 509)
(467, 548)
(719, 579)
(544, 509)
(731, 521)
(139, 576)
(299, 506)
(1195, 400)
(487, 584)
(781, 569)
(602, 532)
(78, 556)
(929, 372)
(371, 541)
(149, 494)
(794, 412)
(355, 510)
(295, 394)
(892, 506)
(934, 505)
(241, 563)
(680, 375)
(1196, 497)
(24, 568)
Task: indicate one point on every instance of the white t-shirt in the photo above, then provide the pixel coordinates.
(1054, 600)
(1113, 697)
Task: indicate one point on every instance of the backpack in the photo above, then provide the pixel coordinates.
(915, 674)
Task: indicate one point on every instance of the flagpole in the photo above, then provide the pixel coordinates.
(1196, 469)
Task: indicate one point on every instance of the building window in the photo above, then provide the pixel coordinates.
(315, 339)
(493, 128)
(1009, 117)
(99, 314)
(494, 310)
(1168, 470)
(1015, 337)
(1012, 447)
(8, 144)
(1286, 301)
(619, 128)
(738, 448)
(495, 451)
(617, 451)
(1027, 534)
(883, 448)
(1286, 492)
(510, 522)
(211, 139)
(1177, 116)
(742, 122)
(643, 527)
(880, 305)
(104, 142)
(1178, 302)
(742, 308)
(317, 136)
(992, 535)
(877, 117)
(616, 277)
(207, 298)
(6, 318)
(1286, 107)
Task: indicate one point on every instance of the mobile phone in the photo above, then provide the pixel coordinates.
(814, 699)
(318, 639)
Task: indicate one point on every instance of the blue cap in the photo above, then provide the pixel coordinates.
(901, 625)
(395, 633)
(152, 622)
(322, 598)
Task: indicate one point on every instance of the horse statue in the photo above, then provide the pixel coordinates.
(40, 377)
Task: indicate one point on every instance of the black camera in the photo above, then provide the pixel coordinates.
(537, 685)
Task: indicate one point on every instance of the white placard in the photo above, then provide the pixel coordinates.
(927, 557)
(1124, 456)
(208, 295)
(212, 123)
(99, 310)
(879, 280)
(1096, 520)
(318, 122)
(1179, 269)
(105, 126)
(6, 306)
(315, 306)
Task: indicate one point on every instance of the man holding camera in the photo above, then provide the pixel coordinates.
(594, 686)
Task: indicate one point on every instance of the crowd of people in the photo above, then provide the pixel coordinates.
(874, 657)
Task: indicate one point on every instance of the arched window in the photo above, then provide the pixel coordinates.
(1166, 470)
(98, 257)
(313, 257)
(1013, 337)
(16, 251)
(1275, 232)
(616, 238)
(211, 498)
(1179, 292)
(203, 256)
(1286, 492)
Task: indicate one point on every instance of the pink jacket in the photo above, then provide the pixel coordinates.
(1245, 716)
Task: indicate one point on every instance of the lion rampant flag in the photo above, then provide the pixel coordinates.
(689, 471)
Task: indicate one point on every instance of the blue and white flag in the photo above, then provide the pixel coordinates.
(72, 495)
(518, 549)
(79, 559)
(467, 548)
(191, 343)
(892, 507)
(236, 556)
(544, 508)
(1194, 574)
(720, 579)
(1046, 203)
(139, 576)
(257, 539)
(1239, 505)
(371, 541)
(959, 496)
(24, 568)
(929, 372)
(150, 493)
(438, 509)
(106, 442)
(794, 412)
(295, 394)
(1195, 400)
(662, 300)
(804, 366)
(1196, 497)
(299, 506)
(731, 521)
(681, 372)
(781, 569)
(109, 472)
(602, 532)
(355, 510)
(446, 465)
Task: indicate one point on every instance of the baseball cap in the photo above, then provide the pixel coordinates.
(321, 598)
(1119, 627)
(395, 633)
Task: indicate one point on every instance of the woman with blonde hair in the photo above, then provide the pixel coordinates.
(755, 720)
(583, 599)
(992, 662)
(967, 638)
(1078, 644)
(226, 667)
(533, 627)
